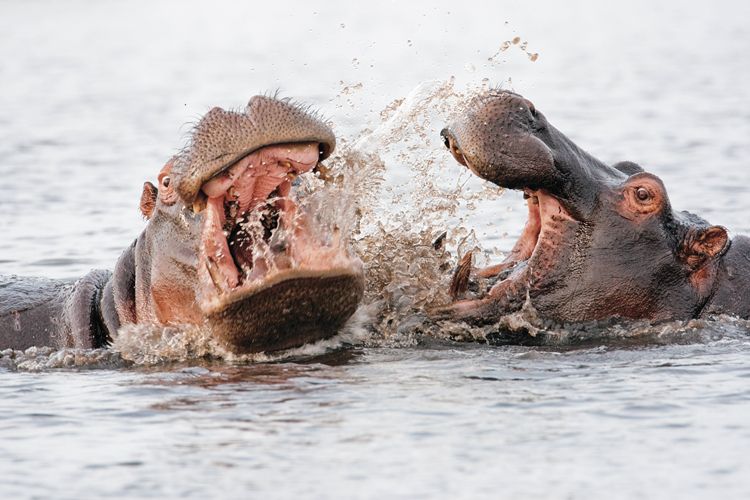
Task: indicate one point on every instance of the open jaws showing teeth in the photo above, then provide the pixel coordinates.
(547, 221)
(249, 215)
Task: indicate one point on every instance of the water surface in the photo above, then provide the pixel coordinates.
(96, 96)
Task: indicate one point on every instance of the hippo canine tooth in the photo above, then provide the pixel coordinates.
(199, 205)
(213, 271)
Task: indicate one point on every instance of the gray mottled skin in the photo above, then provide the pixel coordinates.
(43, 312)
(163, 260)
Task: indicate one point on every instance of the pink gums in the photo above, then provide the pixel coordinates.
(249, 183)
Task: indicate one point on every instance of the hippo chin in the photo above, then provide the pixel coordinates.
(225, 246)
(600, 242)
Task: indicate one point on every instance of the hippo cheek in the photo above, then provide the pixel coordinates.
(168, 281)
(174, 302)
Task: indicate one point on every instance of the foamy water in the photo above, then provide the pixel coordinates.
(97, 96)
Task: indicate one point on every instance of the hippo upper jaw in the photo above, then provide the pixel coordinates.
(222, 138)
(504, 139)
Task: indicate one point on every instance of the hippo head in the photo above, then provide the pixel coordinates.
(601, 241)
(226, 242)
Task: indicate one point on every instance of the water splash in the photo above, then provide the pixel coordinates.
(411, 202)
(35, 359)
(522, 45)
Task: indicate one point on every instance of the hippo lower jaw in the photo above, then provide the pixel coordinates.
(547, 223)
(287, 309)
(530, 264)
(263, 271)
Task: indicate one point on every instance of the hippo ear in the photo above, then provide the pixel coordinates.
(702, 244)
(148, 199)
(628, 167)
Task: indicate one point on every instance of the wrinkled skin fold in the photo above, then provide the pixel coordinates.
(601, 241)
(226, 246)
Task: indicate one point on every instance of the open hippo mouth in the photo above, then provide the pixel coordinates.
(522, 161)
(263, 269)
(600, 241)
(269, 279)
(250, 219)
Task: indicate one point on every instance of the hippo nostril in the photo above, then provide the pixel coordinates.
(446, 139)
(531, 106)
(450, 143)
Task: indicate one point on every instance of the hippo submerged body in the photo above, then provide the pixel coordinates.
(601, 241)
(225, 246)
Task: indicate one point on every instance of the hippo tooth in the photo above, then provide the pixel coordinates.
(246, 270)
(324, 173)
(231, 211)
(213, 271)
(199, 204)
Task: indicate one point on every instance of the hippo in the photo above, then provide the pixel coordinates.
(601, 242)
(225, 246)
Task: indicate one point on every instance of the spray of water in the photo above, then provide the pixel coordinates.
(412, 201)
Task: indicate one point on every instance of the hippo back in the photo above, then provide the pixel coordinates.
(29, 311)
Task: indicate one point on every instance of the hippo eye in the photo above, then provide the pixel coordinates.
(642, 194)
(165, 181)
